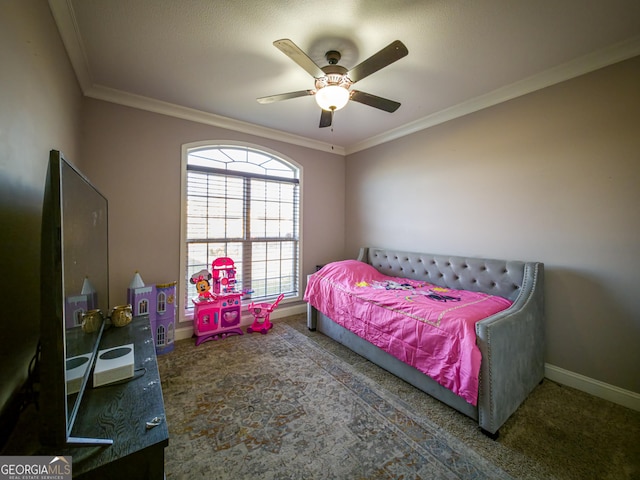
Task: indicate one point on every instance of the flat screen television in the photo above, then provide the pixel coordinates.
(74, 293)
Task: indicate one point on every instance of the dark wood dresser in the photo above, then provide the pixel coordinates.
(119, 412)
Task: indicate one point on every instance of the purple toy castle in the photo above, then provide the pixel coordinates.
(158, 302)
(78, 305)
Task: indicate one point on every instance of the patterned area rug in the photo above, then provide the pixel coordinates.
(278, 406)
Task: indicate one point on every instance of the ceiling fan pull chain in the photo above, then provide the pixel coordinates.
(332, 136)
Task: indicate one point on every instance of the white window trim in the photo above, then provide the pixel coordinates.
(183, 314)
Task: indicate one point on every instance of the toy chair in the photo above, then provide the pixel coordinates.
(261, 312)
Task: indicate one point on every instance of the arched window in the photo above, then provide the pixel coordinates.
(160, 336)
(143, 308)
(162, 302)
(241, 202)
(77, 315)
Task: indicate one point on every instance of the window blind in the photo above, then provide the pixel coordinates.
(251, 218)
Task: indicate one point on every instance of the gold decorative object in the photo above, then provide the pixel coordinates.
(121, 315)
(91, 321)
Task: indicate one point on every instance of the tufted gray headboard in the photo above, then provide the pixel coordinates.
(496, 277)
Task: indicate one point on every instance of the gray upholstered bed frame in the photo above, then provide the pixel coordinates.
(512, 342)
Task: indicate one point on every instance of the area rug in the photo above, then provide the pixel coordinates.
(278, 406)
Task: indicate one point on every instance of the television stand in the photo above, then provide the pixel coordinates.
(120, 428)
(122, 412)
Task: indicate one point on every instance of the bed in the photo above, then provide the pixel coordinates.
(467, 331)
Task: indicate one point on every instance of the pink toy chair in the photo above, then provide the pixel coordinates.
(261, 312)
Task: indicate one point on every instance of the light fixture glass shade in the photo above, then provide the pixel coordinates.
(332, 97)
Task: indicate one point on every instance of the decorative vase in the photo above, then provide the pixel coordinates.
(91, 321)
(121, 315)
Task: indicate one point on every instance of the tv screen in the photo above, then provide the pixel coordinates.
(74, 293)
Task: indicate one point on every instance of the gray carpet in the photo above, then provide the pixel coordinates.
(295, 404)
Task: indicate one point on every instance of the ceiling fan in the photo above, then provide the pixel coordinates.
(333, 82)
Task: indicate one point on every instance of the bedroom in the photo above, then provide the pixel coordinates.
(550, 176)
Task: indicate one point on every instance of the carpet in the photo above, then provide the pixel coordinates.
(278, 406)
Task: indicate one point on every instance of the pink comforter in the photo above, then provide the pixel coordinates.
(428, 327)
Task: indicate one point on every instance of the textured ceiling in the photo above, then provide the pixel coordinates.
(209, 60)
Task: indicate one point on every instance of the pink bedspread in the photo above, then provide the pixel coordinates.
(428, 327)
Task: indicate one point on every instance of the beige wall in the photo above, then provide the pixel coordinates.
(39, 111)
(552, 176)
(133, 157)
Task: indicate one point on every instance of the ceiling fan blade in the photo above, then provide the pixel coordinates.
(294, 52)
(284, 96)
(326, 117)
(374, 101)
(389, 54)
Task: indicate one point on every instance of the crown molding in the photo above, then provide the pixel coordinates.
(65, 19)
(580, 66)
(140, 102)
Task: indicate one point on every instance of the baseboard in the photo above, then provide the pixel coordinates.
(184, 333)
(247, 319)
(599, 389)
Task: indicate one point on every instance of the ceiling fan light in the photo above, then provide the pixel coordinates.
(332, 97)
